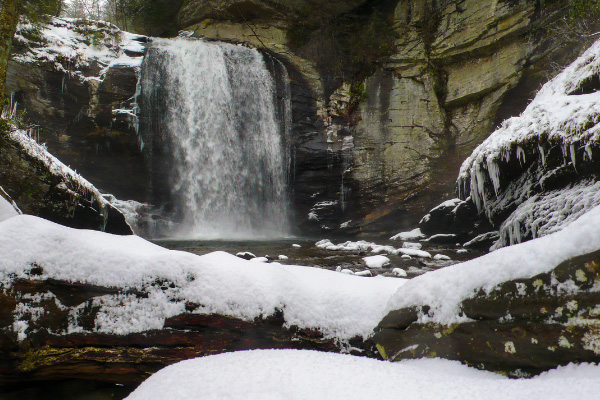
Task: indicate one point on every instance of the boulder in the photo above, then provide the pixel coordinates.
(40, 341)
(520, 327)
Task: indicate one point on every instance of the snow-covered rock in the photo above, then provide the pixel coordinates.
(337, 305)
(410, 245)
(8, 208)
(541, 167)
(522, 309)
(415, 234)
(38, 183)
(246, 255)
(376, 261)
(443, 290)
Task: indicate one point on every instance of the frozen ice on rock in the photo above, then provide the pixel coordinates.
(441, 257)
(282, 257)
(411, 245)
(406, 257)
(558, 116)
(296, 246)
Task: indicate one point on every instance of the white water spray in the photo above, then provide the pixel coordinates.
(215, 137)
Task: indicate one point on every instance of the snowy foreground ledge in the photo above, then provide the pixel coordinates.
(338, 305)
(290, 374)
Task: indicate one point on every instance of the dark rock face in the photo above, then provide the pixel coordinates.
(51, 353)
(40, 191)
(521, 327)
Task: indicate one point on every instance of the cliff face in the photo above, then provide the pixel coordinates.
(458, 68)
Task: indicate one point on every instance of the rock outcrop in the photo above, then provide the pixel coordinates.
(520, 327)
(539, 171)
(40, 185)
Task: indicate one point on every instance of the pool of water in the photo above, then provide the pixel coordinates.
(304, 252)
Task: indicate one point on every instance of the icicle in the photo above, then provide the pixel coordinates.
(572, 153)
(542, 154)
(564, 152)
(521, 155)
(587, 153)
(494, 173)
(506, 154)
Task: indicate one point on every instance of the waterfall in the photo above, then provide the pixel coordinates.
(215, 127)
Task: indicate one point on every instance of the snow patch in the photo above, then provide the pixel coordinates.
(296, 374)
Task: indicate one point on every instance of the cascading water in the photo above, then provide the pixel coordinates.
(214, 126)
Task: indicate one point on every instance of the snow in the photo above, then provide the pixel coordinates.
(340, 306)
(71, 180)
(415, 234)
(259, 260)
(376, 261)
(444, 289)
(297, 374)
(410, 245)
(7, 209)
(80, 42)
(554, 117)
(441, 257)
(374, 248)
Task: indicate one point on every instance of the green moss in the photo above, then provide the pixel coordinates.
(5, 127)
(357, 92)
(382, 351)
(583, 9)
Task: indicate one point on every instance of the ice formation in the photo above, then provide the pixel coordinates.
(564, 115)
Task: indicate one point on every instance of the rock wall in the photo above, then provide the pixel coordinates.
(459, 67)
(440, 95)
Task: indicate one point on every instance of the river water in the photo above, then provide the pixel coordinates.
(310, 255)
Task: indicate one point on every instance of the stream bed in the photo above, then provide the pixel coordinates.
(303, 251)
